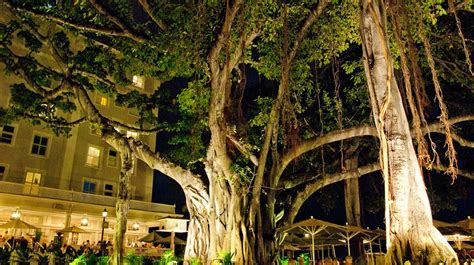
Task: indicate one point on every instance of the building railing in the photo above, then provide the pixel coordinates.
(74, 196)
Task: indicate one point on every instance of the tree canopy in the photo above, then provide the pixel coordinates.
(260, 102)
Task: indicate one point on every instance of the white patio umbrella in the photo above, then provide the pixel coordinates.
(348, 232)
(312, 227)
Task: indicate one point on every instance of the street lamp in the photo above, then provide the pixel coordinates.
(102, 245)
(16, 215)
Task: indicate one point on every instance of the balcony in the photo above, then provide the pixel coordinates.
(79, 197)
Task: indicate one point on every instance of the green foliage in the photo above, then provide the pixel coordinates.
(38, 235)
(264, 105)
(131, 259)
(5, 254)
(31, 42)
(304, 257)
(284, 260)
(166, 258)
(225, 257)
(195, 261)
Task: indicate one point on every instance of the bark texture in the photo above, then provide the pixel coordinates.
(351, 194)
(411, 234)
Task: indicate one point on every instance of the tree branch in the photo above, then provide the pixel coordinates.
(239, 51)
(126, 127)
(318, 141)
(55, 122)
(464, 173)
(359, 131)
(38, 89)
(244, 150)
(225, 32)
(272, 125)
(78, 26)
(184, 177)
(311, 187)
(313, 16)
(146, 6)
(117, 21)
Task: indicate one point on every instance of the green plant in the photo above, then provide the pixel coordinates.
(305, 257)
(131, 259)
(24, 254)
(166, 258)
(195, 261)
(103, 260)
(225, 257)
(86, 259)
(4, 254)
(38, 235)
(284, 260)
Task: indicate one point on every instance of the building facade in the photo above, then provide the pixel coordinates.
(58, 181)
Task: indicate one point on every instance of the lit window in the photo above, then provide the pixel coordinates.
(112, 158)
(138, 81)
(89, 187)
(132, 134)
(3, 172)
(32, 182)
(7, 134)
(40, 145)
(93, 156)
(108, 189)
(101, 100)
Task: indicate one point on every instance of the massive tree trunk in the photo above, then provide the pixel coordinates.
(352, 200)
(351, 193)
(123, 204)
(411, 234)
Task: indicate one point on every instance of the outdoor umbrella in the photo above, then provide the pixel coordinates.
(72, 229)
(312, 227)
(167, 240)
(18, 224)
(467, 223)
(348, 232)
(151, 237)
(287, 246)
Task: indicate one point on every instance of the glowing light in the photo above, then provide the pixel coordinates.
(16, 215)
(85, 220)
(135, 226)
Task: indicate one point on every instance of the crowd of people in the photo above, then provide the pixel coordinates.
(22, 247)
(465, 257)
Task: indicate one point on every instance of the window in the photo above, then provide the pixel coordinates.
(138, 81)
(108, 189)
(40, 145)
(32, 182)
(7, 134)
(112, 158)
(93, 156)
(132, 134)
(3, 172)
(101, 100)
(89, 186)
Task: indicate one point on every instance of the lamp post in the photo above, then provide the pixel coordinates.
(102, 245)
